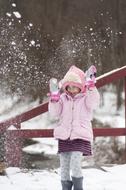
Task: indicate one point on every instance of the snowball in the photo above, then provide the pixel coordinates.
(17, 14)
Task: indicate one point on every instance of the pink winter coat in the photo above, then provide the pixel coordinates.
(75, 115)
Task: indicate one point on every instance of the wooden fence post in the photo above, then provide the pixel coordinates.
(2, 138)
(13, 149)
(125, 111)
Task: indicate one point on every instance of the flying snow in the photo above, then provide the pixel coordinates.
(17, 14)
(13, 5)
(8, 14)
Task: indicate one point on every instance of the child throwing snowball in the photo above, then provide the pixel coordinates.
(74, 108)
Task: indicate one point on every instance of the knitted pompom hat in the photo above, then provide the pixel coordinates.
(74, 77)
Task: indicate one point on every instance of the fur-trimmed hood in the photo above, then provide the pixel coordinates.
(75, 77)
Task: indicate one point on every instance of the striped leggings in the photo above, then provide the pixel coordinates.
(70, 163)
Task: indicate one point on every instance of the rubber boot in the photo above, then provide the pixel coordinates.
(66, 185)
(77, 183)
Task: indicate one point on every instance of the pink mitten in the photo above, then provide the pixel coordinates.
(54, 90)
(91, 77)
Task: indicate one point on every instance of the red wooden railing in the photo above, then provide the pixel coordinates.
(13, 138)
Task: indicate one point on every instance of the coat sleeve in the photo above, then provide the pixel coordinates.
(55, 108)
(92, 98)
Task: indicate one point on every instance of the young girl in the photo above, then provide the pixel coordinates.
(74, 109)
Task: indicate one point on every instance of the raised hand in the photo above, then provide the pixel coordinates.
(54, 89)
(91, 76)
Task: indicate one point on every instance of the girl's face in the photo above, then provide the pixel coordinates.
(73, 90)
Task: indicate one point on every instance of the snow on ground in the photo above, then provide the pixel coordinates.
(107, 112)
(113, 178)
(46, 145)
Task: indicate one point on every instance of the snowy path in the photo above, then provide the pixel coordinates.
(94, 179)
